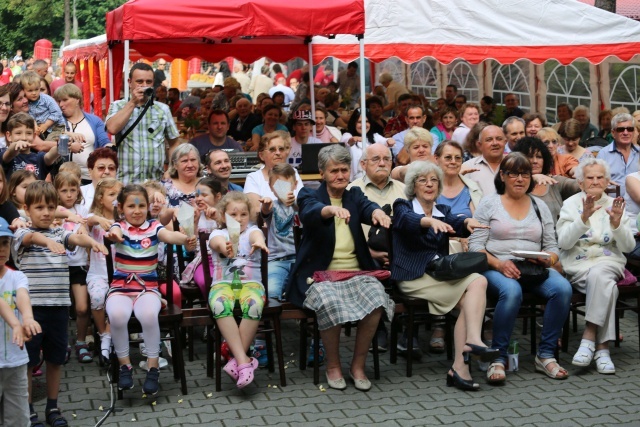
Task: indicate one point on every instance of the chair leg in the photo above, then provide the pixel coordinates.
(190, 343)
(178, 358)
(280, 353)
(448, 336)
(316, 352)
(410, 332)
(210, 353)
(393, 344)
(565, 334)
(617, 322)
(218, 357)
(638, 316)
(532, 321)
(376, 358)
(575, 319)
(302, 345)
(269, 344)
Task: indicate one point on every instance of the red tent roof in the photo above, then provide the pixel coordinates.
(244, 29)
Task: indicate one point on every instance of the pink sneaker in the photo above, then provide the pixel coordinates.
(231, 368)
(245, 373)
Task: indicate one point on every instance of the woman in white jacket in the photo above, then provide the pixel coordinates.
(593, 234)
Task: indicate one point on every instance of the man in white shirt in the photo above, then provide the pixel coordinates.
(485, 167)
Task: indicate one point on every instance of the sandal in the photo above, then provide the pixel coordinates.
(584, 355)
(245, 373)
(35, 422)
(436, 344)
(83, 354)
(604, 364)
(493, 370)
(231, 369)
(55, 418)
(557, 373)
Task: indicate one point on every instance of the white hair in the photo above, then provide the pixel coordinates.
(579, 173)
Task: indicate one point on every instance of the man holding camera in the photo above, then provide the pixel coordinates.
(141, 153)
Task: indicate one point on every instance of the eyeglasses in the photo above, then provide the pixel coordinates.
(550, 141)
(103, 168)
(278, 149)
(514, 175)
(457, 159)
(377, 159)
(424, 181)
(623, 128)
(5, 104)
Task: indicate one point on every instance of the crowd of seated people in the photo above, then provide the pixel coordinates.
(472, 183)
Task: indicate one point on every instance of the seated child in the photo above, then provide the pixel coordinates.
(14, 304)
(237, 255)
(18, 155)
(134, 288)
(42, 107)
(40, 252)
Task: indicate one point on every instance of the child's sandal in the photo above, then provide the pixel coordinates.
(55, 418)
(231, 368)
(245, 373)
(83, 354)
(35, 422)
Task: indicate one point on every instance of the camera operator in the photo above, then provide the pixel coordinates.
(142, 153)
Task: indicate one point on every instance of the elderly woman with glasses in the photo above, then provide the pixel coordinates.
(333, 243)
(101, 163)
(593, 234)
(520, 223)
(563, 164)
(421, 234)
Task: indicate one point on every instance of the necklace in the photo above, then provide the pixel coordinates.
(75, 125)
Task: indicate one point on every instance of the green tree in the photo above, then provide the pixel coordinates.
(23, 22)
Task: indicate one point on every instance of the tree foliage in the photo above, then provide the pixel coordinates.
(23, 22)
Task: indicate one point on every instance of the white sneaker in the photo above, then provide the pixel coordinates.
(604, 364)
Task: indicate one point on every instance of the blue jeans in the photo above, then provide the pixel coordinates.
(278, 273)
(556, 290)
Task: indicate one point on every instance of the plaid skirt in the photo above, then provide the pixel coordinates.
(336, 303)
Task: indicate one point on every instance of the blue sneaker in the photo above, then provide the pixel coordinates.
(125, 380)
(310, 359)
(260, 353)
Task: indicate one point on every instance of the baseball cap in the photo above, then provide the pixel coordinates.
(301, 115)
(4, 228)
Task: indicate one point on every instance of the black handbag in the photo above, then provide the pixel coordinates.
(378, 239)
(532, 274)
(457, 266)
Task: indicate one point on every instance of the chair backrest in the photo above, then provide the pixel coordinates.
(180, 254)
(613, 190)
(169, 279)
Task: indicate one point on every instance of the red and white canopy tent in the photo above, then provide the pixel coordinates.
(475, 31)
(216, 29)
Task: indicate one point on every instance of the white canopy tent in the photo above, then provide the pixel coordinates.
(489, 33)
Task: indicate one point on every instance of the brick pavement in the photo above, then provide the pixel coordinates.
(528, 399)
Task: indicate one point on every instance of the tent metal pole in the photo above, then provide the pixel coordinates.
(312, 92)
(126, 68)
(363, 114)
(111, 89)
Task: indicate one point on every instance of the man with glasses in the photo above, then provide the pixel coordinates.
(218, 165)
(621, 155)
(483, 168)
(380, 188)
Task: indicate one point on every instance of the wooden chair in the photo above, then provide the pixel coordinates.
(270, 316)
(169, 318)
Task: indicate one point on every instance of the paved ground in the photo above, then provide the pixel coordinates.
(528, 398)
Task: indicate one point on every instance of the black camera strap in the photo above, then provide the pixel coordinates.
(120, 136)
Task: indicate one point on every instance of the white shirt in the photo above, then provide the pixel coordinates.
(88, 192)
(256, 184)
(10, 354)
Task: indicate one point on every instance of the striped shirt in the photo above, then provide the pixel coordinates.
(48, 273)
(142, 154)
(46, 108)
(138, 253)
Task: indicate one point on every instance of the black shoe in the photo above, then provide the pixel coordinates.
(457, 381)
(151, 383)
(402, 347)
(484, 354)
(125, 380)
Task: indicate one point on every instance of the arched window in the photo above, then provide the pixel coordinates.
(463, 75)
(512, 78)
(625, 86)
(393, 66)
(424, 78)
(566, 84)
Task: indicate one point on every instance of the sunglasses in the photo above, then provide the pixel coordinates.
(622, 129)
